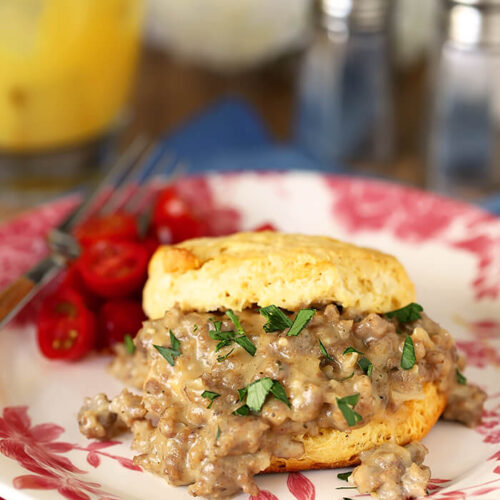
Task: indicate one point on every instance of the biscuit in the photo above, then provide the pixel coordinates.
(259, 269)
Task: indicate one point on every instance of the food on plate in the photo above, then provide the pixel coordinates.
(66, 328)
(392, 471)
(278, 352)
(262, 269)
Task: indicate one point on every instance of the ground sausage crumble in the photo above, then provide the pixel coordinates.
(218, 453)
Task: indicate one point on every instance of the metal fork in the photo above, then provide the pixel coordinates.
(136, 168)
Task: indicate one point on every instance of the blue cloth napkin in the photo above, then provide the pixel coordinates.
(230, 136)
(492, 204)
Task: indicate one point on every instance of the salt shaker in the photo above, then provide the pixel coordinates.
(344, 108)
(463, 141)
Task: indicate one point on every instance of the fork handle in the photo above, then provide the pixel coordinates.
(13, 295)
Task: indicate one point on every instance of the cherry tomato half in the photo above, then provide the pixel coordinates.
(73, 280)
(174, 220)
(265, 227)
(66, 328)
(118, 318)
(113, 269)
(113, 227)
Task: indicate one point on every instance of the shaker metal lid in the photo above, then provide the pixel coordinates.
(363, 14)
(472, 23)
(477, 3)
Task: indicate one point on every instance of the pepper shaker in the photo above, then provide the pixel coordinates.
(463, 142)
(344, 103)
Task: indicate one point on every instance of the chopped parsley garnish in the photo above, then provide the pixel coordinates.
(278, 391)
(226, 338)
(408, 358)
(246, 343)
(346, 406)
(460, 378)
(236, 321)
(323, 350)
(351, 349)
(242, 411)
(366, 365)
(348, 377)
(257, 392)
(301, 320)
(220, 359)
(170, 353)
(174, 342)
(344, 476)
(406, 314)
(129, 344)
(277, 320)
(211, 396)
(195, 327)
(242, 393)
(217, 436)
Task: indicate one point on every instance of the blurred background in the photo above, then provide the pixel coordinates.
(398, 89)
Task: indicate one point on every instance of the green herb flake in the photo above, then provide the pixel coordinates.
(346, 488)
(211, 396)
(406, 314)
(236, 321)
(408, 358)
(301, 320)
(242, 411)
(128, 341)
(170, 353)
(247, 344)
(460, 378)
(366, 365)
(220, 359)
(195, 328)
(278, 391)
(351, 349)
(323, 350)
(257, 392)
(277, 320)
(348, 377)
(344, 476)
(226, 338)
(346, 406)
(174, 342)
(242, 393)
(217, 436)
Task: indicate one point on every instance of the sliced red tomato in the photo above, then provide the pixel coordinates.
(266, 227)
(113, 227)
(113, 269)
(73, 280)
(118, 318)
(174, 220)
(66, 328)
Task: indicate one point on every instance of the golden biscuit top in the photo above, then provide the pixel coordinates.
(259, 269)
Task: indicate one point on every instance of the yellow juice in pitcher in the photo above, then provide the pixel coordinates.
(65, 69)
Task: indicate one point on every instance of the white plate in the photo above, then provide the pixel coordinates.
(451, 250)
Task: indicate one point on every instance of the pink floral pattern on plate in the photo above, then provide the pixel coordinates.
(414, 216)
(36, 449)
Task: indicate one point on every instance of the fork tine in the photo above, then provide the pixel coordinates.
(124, 163)
(133, 177)
(161, 162)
